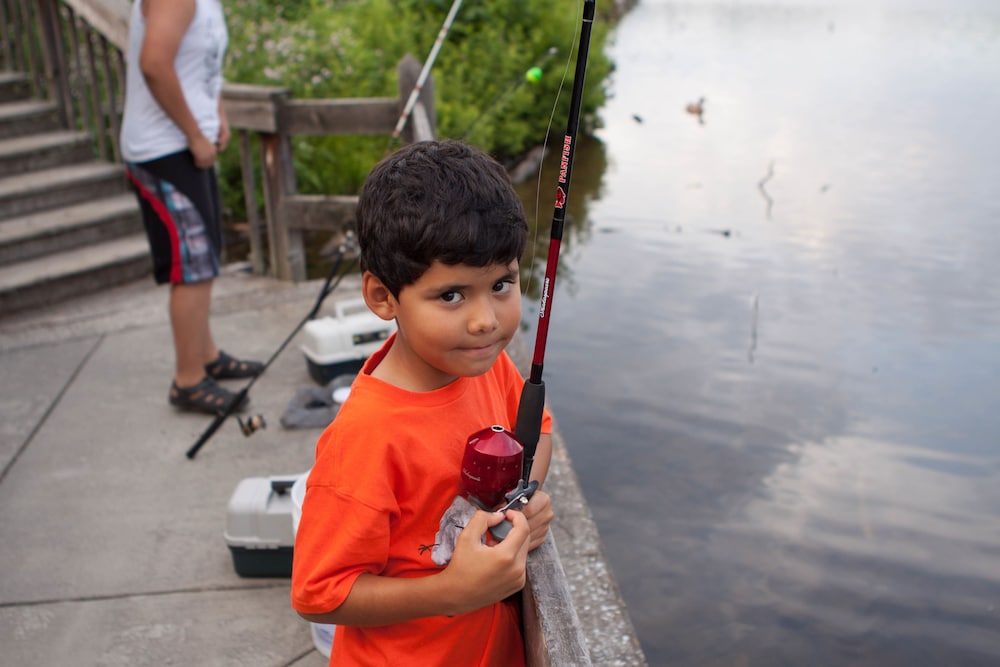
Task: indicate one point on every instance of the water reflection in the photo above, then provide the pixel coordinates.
(782, 407)
(827, 545)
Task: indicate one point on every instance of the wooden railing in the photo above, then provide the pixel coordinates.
(71, 51)
(276, 118)
(73, 54)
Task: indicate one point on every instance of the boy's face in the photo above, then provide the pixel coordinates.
(454, 321)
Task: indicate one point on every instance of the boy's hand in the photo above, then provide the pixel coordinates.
(485, 574)
(539, 513)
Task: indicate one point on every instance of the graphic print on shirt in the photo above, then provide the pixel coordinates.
(453, 521)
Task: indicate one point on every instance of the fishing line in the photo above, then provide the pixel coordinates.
(545, 144)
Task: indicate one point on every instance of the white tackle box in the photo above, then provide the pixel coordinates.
(339, 344)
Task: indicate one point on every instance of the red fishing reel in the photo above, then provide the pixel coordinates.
(491, 466)
(492, 469)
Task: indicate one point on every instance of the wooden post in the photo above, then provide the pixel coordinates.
(250, 199)
(261, 108)
(270, 183)
(95, 96)
(287, 251)
(111, 109)
(54, 57)
(6, 43)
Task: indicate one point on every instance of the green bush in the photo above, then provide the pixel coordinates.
(351, 49)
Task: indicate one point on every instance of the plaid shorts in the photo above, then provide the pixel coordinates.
(182, 215)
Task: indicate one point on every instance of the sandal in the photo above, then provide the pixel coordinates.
(206, 396)
(227, 368)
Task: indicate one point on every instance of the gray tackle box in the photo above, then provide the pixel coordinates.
(259, 527)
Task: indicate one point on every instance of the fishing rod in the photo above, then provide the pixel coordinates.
(490, 448)
(422, 77)
(529, 410)
(255, 422)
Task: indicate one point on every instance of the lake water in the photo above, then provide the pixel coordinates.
(775, 343)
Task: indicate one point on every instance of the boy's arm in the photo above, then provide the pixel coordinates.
(478, 575)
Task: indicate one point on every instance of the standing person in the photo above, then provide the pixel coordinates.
(441, 233)
(173, 129)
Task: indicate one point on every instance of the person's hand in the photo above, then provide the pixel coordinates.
(203, 150)
(539, 513)
(485, 574)
(225, 134)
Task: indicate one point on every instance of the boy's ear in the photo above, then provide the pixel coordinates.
(378, 297)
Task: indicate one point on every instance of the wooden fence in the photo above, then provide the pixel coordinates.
(71, 51)
(276, 118)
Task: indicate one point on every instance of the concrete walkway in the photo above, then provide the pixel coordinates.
(111, 540)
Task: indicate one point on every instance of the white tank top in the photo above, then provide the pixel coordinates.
(147, 132)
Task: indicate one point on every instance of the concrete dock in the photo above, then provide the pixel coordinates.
(111, 539)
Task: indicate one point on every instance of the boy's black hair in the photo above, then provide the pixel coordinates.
(437, 200)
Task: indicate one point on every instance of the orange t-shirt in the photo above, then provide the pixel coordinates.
(386, 470)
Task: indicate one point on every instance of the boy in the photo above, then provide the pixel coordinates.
(441, 232)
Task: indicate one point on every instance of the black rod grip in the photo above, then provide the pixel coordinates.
(209, 432)
(221, 417)
(529, 422)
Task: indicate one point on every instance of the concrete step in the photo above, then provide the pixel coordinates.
(69, 224)
(14, 86)
(60, 186)
(24, 117)
(44, 150)
(55, 230)
(54, 278)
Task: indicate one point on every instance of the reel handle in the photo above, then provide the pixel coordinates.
(515, 498)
